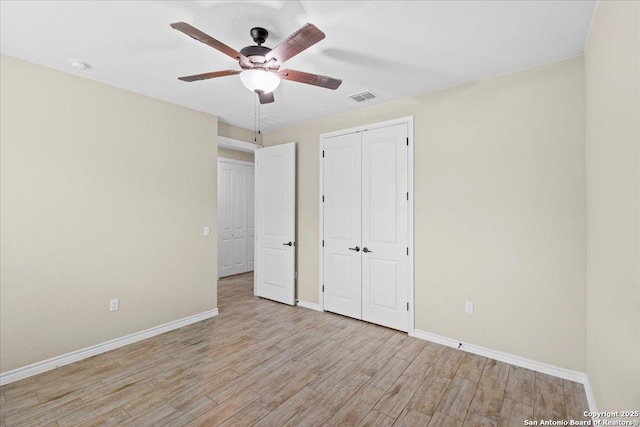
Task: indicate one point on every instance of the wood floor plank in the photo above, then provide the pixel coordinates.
(356, 408)
(225, 410)
(377, 419)
(514, 413)
(396, 398)
(471, 367)
(428, 395)
(269, 364)
(412, 418)
(549, 402)
(103, 404)
(342, 391)
(314, 416)
(575, 400)
(448, 363)
(272, 398)
(475, 420)
(225, 391)
(247, 416)
(293, 406)
(457, 398)
(520, 385)
(441, 420)
(45, 413)
(487, 399)
(421, 365)
(115, 417)
(411, 349)
(187, 412)
(388, 374)
(496, 369)
(150, 416)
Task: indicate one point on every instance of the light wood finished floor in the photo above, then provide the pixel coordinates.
(267, 364)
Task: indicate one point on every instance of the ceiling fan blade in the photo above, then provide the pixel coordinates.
(209, 41)
(265, 98)
(209, 75)
(310, 79)
(302, 39)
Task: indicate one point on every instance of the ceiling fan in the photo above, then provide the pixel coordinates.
(261, 65)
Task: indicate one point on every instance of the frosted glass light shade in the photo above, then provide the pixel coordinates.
(259, 80)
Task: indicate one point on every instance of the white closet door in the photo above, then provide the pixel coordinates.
(342, 225)
(225, 219)
(275, 222)
(251, 226)
(235, 218)
(385, 260)
(239, 236)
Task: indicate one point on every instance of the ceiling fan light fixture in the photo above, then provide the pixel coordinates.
(260, 80)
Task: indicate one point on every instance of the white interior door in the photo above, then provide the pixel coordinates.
(251, 225)
(239, 234)
(235, 218)
(342, 225)
(385, 256)
(275, 223)
(225, 220)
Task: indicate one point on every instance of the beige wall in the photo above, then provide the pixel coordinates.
(236, 155)
(104, 194)
(499, 209)
(613, 195)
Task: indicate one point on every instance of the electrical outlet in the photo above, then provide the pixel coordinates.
(468, 307)
(114, 304)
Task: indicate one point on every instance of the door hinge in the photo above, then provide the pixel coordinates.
(407, 251)
(407, 142)
(407, 306)
(323, 198)
(323, 243)
(322, 288)
(322, 153)
(407, 195)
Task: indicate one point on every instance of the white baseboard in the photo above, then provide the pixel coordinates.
(309, 305)
(567, 374)
(591, 398)
(74, 356)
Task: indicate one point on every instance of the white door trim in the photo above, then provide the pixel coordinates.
(408, 120)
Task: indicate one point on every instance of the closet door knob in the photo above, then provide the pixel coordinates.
(357, 249)
(365, 250)
(288, 244)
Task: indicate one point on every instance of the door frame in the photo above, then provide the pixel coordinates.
(408, 120)
(233, 162)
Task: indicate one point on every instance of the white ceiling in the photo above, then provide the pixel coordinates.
(396, 49)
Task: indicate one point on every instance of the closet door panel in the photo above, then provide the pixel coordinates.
(239, 219)
(342, 225)
(384, 227)
(251, 226)
(225, 220)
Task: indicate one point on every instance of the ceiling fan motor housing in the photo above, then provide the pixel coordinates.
(256, 54)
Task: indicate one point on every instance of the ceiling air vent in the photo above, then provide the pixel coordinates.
(363, 96)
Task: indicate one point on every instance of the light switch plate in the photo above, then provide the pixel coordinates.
(207, 230)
